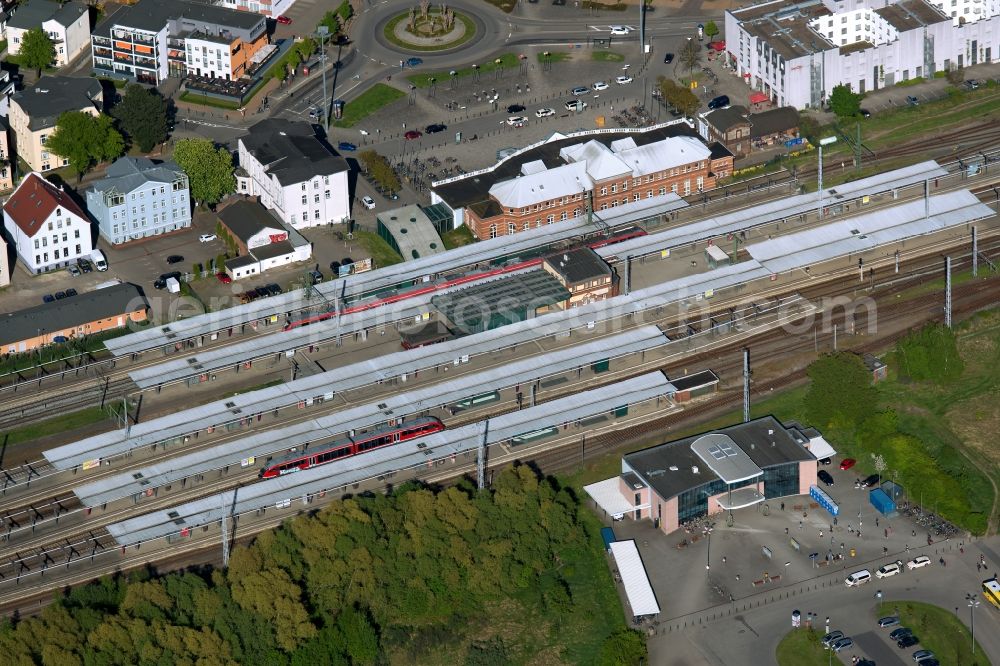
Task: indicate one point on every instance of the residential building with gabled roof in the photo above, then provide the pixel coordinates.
(47, 227)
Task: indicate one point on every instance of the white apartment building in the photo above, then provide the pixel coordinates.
(271, 8)
(797, 53)
(67, 24)
(48, 229)
(284, 164)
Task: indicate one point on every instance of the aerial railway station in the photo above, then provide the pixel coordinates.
(431, 454)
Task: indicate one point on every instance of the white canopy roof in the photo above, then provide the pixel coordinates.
(820, 448)
(633, 572)
(608, 495)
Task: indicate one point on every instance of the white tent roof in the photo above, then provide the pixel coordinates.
(820, 448)
(633, 572)
(608, 495)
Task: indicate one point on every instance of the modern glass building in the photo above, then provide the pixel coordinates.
(736, 467)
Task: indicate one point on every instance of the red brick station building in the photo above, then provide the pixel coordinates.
(554, 180)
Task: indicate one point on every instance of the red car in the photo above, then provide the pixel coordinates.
(413, 134)
(223, 278)
(284, 20)
(847, 463)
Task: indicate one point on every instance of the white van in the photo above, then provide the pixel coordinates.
(100, 263)
(858, 578)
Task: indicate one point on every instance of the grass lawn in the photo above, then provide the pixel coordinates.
(607, 56)
(802, 647)
(423, 80)
(457, 237)
(117, 83)
(205, 100)
(64, 423)
(390, 34)
(938, 630)
(377, 249)
(55, 352)
(555, 56)
(367, 103)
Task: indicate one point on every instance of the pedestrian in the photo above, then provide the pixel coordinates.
(821, 534)
(800, 524)
(782, 506)
(914, 532)
(885, 550)
(979, 566)
(859, 534)
(876, 521)
(786, 531)
(886, 534)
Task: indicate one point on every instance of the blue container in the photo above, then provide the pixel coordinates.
(882, 502)
(608, 535)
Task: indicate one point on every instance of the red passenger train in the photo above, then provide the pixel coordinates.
(350, 446)
(431, 287)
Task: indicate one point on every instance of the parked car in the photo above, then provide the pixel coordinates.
(720, 102)
(623, 79)
(413, 134)
(599, 86)
(825, 461)
(930, 661)
(907, 641)
(517, 121)
(316, 276)
(435, 128)
(545, 112)
(283, 20)
(832, 638)
(825, 477)
(273, 289)
(223, 278)
(515, 108)
(896, 634)
(346, 147)
(368, 202)
(890, 569)
(576, 105)
(414, 62)
(84, 265)
(60, 295)
(175, 259)
(972, 84)
(920, 656)
(912, 101)
(888, 621)
(48, 298)
(161, 282)
(207, 238)
(262, 292)
(847, 463)
(668, 58)
(871, 480)
(71, 292)
(73, 270)
(842, 644)
(858, 578)
(918, 562)
(619, 30)
(580, 90)
(864, 113)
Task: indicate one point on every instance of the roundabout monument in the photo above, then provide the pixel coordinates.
(426, 29)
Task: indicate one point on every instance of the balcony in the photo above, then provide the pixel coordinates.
(101, 41)
(102, 53)
(147, 63)
(103, 66)
(140, 38)
(121, 57)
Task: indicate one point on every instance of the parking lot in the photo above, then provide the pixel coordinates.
(745, 580)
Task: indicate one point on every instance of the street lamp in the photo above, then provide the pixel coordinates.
(973, 601)
(822, 142)
(708, 552)
(322, 31)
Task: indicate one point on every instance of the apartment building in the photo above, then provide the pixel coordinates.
(293, 173)
(35, 110)
(557, 179)
(66, 23)
(266, 7)
(138, 198)
(796, 53)
(48, 229)
(153, 40)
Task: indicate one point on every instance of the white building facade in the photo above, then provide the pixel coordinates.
(797, 53)
(48, 228)
(66, 24)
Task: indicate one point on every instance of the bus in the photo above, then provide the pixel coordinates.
(991, 590)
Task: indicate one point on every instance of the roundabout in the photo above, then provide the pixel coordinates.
(427, 30)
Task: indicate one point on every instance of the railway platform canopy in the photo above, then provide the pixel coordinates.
(640, 594)
(866, 232)
(305, 391)
(247, 450)
(420, 453)
(769, 212)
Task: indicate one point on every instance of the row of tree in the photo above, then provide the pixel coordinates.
(380, 170)
(457, 576)
(678, 96)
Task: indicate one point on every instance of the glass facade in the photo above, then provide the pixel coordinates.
(781, 480)
(694, 503)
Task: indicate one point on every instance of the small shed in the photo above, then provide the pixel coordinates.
(882, 502)
(696, 385)
(716, 256)
(878, 369)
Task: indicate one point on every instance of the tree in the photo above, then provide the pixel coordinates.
(930, 354)
(840, 392)
(84, 140)
(37, 50)
(843, 102)
(210, 169)
(142, 115)
(331, 21)
(625, 647)
(678, 96)
(690, 55)
(711, 30)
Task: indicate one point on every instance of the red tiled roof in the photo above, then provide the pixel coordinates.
(33, 202)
